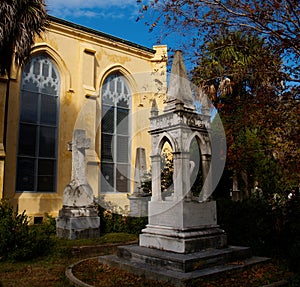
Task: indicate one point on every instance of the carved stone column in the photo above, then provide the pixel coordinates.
(181, 175)
(207, 184)
(156, 180)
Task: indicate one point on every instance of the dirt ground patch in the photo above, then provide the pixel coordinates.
(99, 275)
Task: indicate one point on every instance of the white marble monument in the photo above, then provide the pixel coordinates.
(182, 241)
(181, 223)
(78, 218)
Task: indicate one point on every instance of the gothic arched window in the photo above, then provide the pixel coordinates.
(38, 126)
(115, 132)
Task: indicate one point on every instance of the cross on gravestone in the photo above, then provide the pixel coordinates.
(78, 146)
(78, 192)
(78, 218)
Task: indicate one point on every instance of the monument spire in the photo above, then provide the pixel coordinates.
(179, 89)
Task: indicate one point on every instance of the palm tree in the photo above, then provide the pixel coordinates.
(20, 22)
(242, 75)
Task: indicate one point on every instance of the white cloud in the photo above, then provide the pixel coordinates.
(92, 8)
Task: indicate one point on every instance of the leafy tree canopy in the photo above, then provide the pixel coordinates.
(277, 21)
(243, 76)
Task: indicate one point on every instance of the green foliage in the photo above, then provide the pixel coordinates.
(113, 222)
(248, 223)
(242, 74)
(269, 226)
(18, 239)
(118, 221)
(167, 170)
(203, 20)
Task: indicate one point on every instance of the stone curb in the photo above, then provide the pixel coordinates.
(75, 281)
(78, 283)
(86, 249)
(69, 270)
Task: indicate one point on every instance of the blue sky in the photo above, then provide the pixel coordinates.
(114, 17)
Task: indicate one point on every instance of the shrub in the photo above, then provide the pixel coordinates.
(113, 222)
(248, 223)
(269, 227)
(18, 239)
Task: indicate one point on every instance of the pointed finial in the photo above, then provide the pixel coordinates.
(179, 89)
(154, 108)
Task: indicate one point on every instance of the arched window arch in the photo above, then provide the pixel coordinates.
(115, 134)
(38, 126)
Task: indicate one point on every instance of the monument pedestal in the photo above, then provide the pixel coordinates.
(78, 222)
(183, 227)
(181, 243)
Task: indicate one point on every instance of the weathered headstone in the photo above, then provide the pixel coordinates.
(78, 218)
(139, 200)
(140, 170)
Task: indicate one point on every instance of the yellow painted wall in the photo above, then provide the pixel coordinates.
(84, 59)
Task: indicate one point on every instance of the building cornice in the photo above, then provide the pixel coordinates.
(99, 36)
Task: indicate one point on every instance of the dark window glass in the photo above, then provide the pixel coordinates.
(26, 174)
(48, 110)
(36, 68)
(29, 111)
(107, 147)
(47, 142)
(122, 121)
(27, 138)
(46, 166)
(45, 183)
(122, 177)
(45, 72)
(122, 149)
(107, 180)
(108, 119)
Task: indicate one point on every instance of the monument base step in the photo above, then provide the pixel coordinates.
(186, 241)
(179, 269)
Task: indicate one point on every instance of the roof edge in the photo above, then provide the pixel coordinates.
(101, 34)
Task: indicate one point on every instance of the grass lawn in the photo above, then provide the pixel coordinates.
(49, 271)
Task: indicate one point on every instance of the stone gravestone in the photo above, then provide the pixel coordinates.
(78, 218)
(139, 200)
(140, 170)
(182, 240)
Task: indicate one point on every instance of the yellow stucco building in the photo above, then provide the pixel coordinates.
(76, 78)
